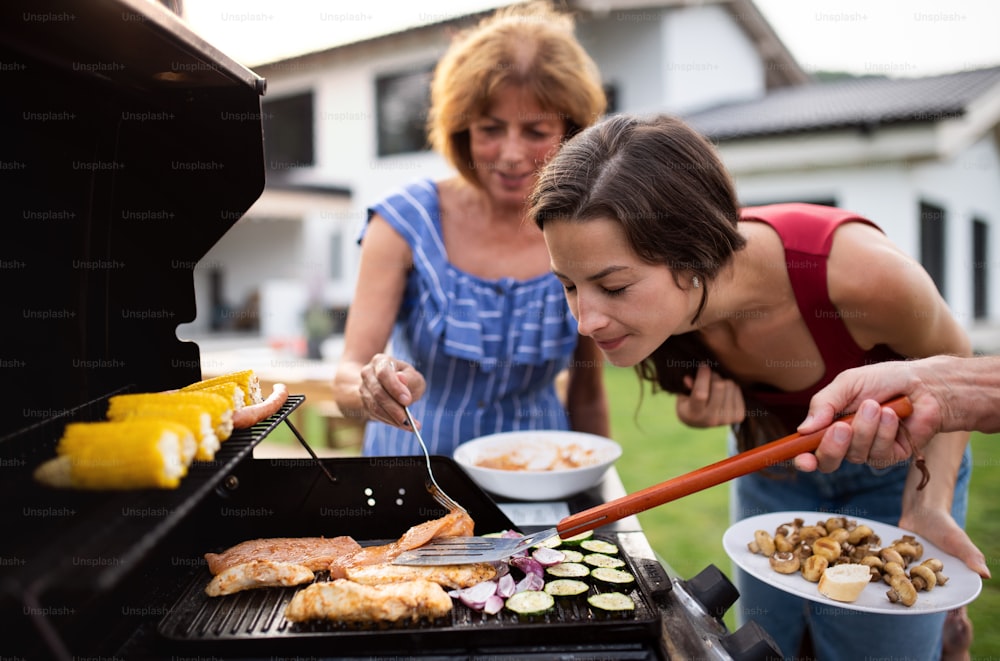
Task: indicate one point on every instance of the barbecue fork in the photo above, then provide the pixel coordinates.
(464, 550)
(436, 491)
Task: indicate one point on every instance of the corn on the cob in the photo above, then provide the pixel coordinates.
(196, 418)
(229, 389)
(245, 379)
(136, 454)
(217, 406)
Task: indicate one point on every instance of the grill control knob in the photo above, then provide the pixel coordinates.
(713, 590)
(751, 643)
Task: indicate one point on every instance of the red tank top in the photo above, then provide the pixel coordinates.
(806, 230)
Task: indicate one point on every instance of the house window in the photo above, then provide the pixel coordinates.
(288, 132)
(980, 268)
(932, 242)
(611, 96)
(402, 101)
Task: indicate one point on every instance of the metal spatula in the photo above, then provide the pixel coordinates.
(463, 550)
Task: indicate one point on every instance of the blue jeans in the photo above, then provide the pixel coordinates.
(837, 633)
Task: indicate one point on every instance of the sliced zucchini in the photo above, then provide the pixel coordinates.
(571, 555)
(575, 540)
(601, 560)
(550, 543)
(612, 576)
(599, 546)
(611, 604)
(566, 587)
(568, 570)
(530, 603)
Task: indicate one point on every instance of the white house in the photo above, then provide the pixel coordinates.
(918, 156)
(345, 125)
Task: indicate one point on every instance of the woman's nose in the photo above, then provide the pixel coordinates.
(512, 149)
(589, 317)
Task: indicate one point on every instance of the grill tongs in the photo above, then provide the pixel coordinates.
(463, 550)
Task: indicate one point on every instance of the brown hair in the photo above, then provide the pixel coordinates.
(530, 46)
(667, 187)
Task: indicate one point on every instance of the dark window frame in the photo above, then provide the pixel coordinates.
(402, 103)
(289, 131)
(980, 268)
(934, 243)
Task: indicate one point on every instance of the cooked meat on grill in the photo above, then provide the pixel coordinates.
(257, 574)
(315, 553)
(449, 576)
(457, 523)
(347, 601)
(251, 414)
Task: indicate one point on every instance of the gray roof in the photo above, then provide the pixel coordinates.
(864, 103)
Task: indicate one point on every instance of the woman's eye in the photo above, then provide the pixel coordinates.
(615, 292)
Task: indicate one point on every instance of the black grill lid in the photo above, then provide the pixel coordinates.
(130, 147)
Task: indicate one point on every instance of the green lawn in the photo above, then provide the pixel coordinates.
(688, 533)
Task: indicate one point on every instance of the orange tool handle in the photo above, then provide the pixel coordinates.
(738, 465)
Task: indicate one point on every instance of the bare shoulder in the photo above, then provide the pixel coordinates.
(383, 243)
(864, 265)
(884, 295)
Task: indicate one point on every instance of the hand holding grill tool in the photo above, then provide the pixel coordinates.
(462, 550)
(433, 488)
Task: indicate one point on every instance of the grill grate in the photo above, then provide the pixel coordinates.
(258, 615)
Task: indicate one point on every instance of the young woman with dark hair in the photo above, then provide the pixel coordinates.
(744, 314)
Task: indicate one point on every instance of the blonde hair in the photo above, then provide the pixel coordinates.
(530, 46)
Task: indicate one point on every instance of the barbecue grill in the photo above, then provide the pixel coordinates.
(131, 147)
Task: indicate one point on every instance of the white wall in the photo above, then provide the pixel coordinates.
(709, 60)
(627, 45)
(251, 252)
(890, 193)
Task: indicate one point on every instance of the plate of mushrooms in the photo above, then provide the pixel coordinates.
(850, 562)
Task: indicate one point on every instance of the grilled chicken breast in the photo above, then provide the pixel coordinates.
(257, 574)
(347, 601)
(455, 523)
(315, 553)
(449, 576)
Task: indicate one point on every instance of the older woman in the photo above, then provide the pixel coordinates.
(450, 269)
(745, 314)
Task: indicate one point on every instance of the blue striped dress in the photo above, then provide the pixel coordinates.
(489, 349)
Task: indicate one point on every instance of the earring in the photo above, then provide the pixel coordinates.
(695, 282)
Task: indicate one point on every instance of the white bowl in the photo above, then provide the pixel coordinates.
(537, 468)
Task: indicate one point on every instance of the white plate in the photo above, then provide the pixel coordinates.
(963, 584)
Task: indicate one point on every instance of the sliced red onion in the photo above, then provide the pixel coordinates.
(547, 557)
(493, 605)
(477, 595)
(530, 582)
(506, 586)
(511, 534)
(528, 565)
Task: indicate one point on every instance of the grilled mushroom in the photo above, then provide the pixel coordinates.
(785, 562)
